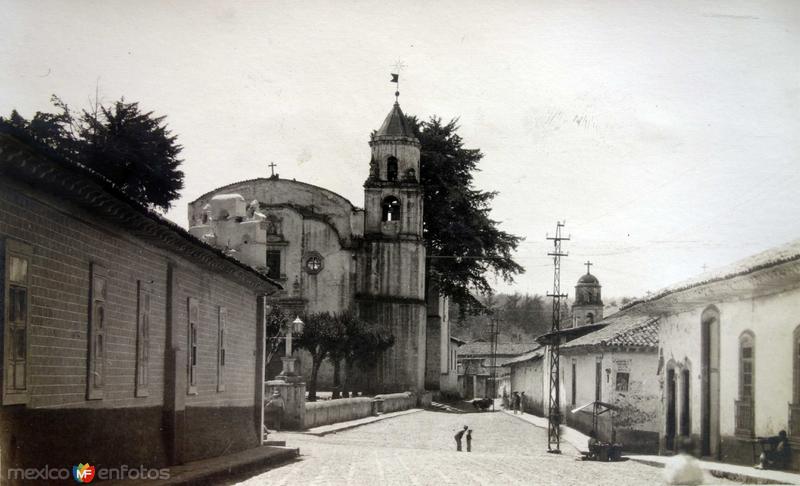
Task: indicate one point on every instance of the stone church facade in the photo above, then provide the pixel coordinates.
(332, 256)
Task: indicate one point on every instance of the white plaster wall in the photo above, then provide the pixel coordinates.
(528, 377)
(640, 404)
(772, 319)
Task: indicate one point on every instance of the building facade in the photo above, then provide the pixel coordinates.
(617, 365)
(481, 369)
(332, 256)
(730, 356)
(118, 327)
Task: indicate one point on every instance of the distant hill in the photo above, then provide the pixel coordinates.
(521, 318)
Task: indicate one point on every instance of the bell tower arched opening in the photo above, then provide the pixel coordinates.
(391, 209)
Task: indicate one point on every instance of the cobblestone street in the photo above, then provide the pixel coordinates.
(419, 449)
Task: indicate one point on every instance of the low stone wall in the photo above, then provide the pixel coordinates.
(344, 409)
(339, 410)
(393, 402)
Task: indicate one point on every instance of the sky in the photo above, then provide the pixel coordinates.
(665, 134)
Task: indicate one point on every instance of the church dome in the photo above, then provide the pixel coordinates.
(588, 279)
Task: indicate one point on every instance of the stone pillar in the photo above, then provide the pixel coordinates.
(294, 398)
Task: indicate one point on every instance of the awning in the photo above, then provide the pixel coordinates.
(595, 407)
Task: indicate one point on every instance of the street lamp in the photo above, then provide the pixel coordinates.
(288, 373)
(295, 327)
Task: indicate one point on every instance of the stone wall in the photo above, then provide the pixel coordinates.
(340, 410)
(393, 402)
(345, 409)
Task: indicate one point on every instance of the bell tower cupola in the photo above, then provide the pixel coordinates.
(588, 305)
(393, 195)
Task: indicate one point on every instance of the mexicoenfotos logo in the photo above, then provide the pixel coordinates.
(83, 473)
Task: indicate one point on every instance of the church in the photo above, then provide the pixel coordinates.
(330, 255)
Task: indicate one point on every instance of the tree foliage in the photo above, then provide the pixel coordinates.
(521, 318)
(133, 150)
(341, 337)
(276, 325)
(463, 243)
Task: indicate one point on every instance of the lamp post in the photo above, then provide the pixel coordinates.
(295, 327)
(288, 373)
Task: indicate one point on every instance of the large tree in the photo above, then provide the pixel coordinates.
(464, 244)
(341, 337)
(132, 149)
(322, 333)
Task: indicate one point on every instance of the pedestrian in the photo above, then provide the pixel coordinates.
(683, 468)
(458, 437)
(469, 440)
(517, 401)
(276, 407)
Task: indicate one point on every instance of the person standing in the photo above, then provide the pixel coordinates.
(458, 437)
(516, 402)
(276, 406)
(469, 440)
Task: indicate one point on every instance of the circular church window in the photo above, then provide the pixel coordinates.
(314, 263)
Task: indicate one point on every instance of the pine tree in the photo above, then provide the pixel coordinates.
(463, 243)
(132, 150)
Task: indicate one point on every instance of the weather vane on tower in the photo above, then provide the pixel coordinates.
(398, 66)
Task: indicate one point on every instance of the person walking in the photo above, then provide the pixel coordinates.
(516, 400)
(458, 437)
(469, 440)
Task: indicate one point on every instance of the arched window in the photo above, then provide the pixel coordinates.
(589, 318)
(746, 365)
(391, 209)
(391, 169)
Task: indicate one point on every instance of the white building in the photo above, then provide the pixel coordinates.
(730, 355)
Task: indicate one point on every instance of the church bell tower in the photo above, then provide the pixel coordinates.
(391, 283)
(588, 305)
(393, 194)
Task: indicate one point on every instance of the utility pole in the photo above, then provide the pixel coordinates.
(494, 329)
(554, 412)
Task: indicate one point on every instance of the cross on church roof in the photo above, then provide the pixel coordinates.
(272, 166)
(588, 264)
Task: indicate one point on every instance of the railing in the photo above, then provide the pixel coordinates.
(745, 418)
(794, 420)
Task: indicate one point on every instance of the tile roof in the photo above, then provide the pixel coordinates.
(774, 256)
(529, 356)
(395, 125)
(484, 348)
(623, 329)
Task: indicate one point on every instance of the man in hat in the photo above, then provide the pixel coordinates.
(276, 406)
